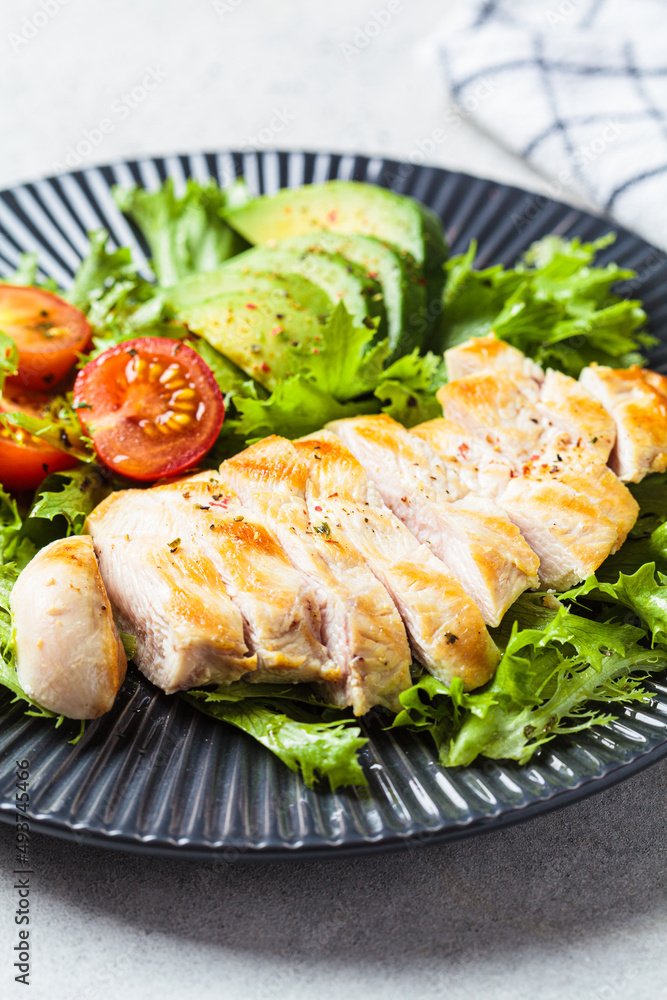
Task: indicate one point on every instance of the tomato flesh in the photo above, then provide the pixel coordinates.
(25, 459)
(151, 406)
(48, 332)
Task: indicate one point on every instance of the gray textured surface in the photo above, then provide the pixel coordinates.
(571, 905)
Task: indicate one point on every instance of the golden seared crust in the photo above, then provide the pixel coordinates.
(636, 399)
(571, 407)
(205, 517)
(361, 628)
(472, 536)
(446, 629)
(69, 656)
(493, 408)
(488, 354)
(570, 535)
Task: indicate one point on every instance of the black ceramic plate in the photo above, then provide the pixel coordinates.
(157, 776)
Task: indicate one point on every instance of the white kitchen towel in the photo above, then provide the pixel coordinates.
(578, 88)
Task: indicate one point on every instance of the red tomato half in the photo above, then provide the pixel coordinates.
(48, 333)
(151, 406)
(25, 462)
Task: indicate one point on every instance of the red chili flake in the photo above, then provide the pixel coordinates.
(316, 350)
(265, 367)
(250, 305)
(277, 330)
(464, 449)
(373, 275)
(318, 508)
(332, 216)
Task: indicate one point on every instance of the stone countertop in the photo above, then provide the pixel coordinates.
(573, 904)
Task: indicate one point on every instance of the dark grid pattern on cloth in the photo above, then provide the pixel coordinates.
(579, 91)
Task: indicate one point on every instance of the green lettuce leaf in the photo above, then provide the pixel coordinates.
(557, 668)
(555, 306)
(186, 235)
(16, 551)
(303, 740)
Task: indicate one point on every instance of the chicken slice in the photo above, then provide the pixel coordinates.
(489, 354)
(574, 410)
(471, 535)
(446, 628)
(188, 631)
(571, 518)
(563, 401)
(69, 656)
(222, 547)
(636, 399)
(361, 628)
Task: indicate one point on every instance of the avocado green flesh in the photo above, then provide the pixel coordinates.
(344, 207)
(338, 278)
(224, 281)
(350, 207)
(257, 332)
(404, 295)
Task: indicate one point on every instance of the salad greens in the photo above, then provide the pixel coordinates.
(555, 306)
(568, 661)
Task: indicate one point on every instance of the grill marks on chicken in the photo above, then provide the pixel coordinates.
(472, 536)
(554, 439)
(361, 628)
(446, 629)
(268, 611)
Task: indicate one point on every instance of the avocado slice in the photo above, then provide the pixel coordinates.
(351, 207)
(339, 278)
(403, 289)
(259, 326)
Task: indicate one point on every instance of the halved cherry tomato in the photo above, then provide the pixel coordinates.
(151, 406)
(48, 333)
(26, 461)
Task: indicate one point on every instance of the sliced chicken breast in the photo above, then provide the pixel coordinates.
(573, 409)
(361, 627)
(69, 656)
(564, 402)
(223, 547)
(497, 411)
(636, 399)
(446, 629)
(188, 631)
(472, 536)
(489, 354)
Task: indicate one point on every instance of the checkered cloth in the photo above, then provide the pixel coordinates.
(578, 88)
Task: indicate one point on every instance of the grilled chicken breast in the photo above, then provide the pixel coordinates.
(69, 656)
(471, 535)
(566, 404)
(253, 609)
(636, 399)
(571, 513)
(361, 627)
(446, 629)
(489, 354)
